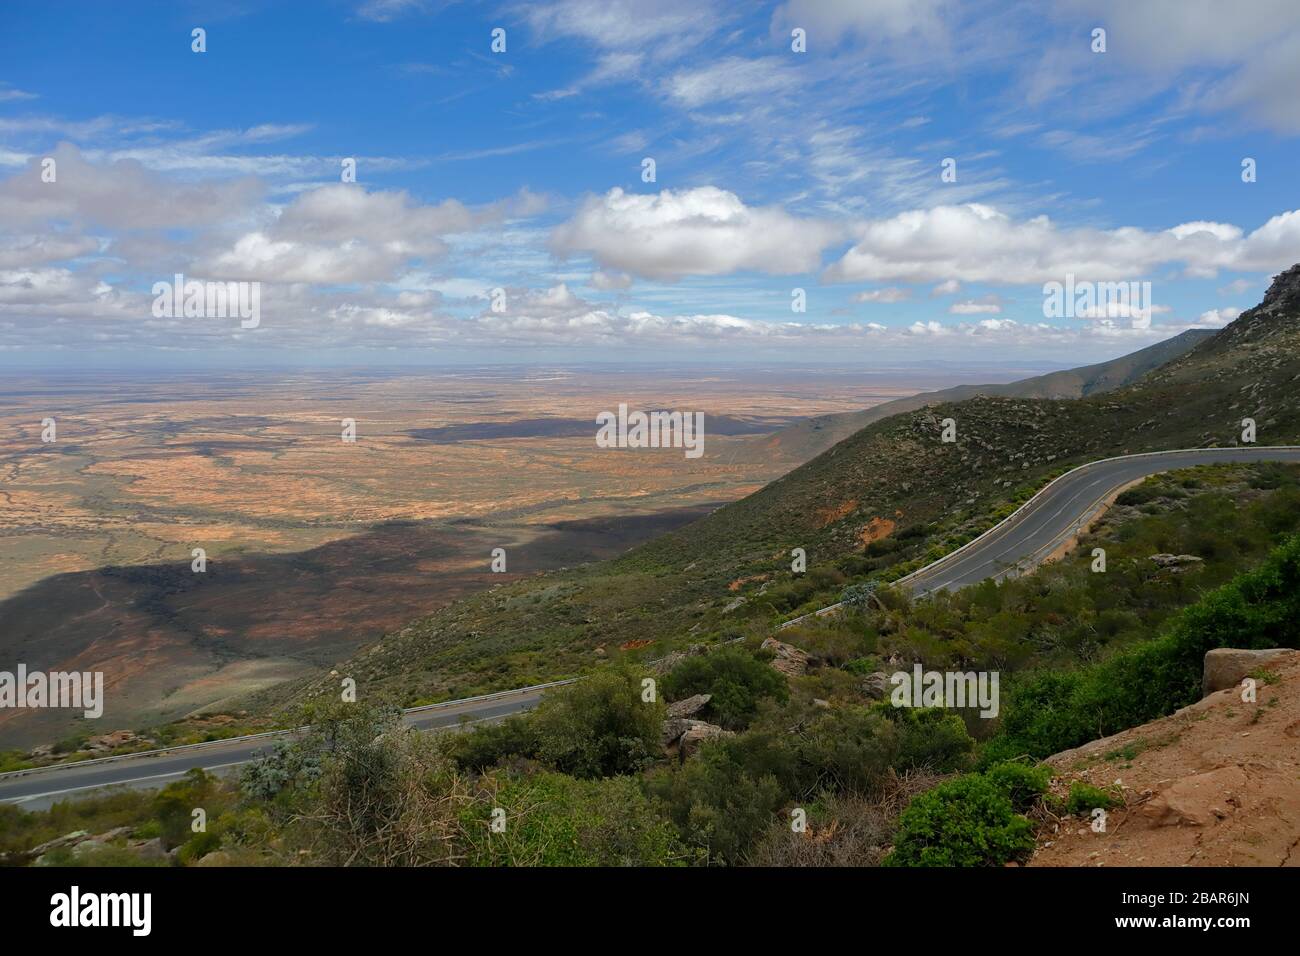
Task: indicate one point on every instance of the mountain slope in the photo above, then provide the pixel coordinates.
(810, 437)
(890, 494)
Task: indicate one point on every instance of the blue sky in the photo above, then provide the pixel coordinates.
(522, 171)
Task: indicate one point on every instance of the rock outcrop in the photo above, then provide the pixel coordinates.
(1224, 667)
(789, 660)
(690, 706)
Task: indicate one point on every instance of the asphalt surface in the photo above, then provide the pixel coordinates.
(38, 789)
(1054, 515)
(1028, 537)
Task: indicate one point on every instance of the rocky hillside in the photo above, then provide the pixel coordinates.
(892, 485)
(1212, 785)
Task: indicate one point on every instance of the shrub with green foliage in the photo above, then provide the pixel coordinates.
(736, 679)
(929, 738)
(1023, 784)
(1053, 711)
(488, 745)
(599, 726)
(969, 821)
(555, 820)
(1084, 798)
(724, 798)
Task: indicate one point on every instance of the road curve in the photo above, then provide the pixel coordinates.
(1056, 514)
(1022, 541)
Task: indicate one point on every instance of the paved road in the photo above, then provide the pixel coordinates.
(1054, 515)
(1025, 539)
(38, 789)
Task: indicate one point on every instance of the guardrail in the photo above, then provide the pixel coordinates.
(243, 738)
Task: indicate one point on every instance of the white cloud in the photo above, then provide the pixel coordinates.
(702, 231)
(867, 20)
(1245, 65)
(608, 281)
(977, 243)
(974, 307)
(887, 295)
(1218, 318)
(732, 77)
(344, 233)
(665, 25)
(36, 250)
(122, 194)
(1237, 287)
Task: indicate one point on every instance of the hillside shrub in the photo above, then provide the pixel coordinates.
(736, 679)
(1053, 711)
(969, 821)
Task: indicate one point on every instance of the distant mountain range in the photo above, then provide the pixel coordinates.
(810, 437)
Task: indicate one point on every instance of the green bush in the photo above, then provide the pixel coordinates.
(487, 745)
(599, 726)
(1022, 784)
(1084, 798)
(555, 820)
(724, 798)
(969, 821)
(930, 738)
(1053, 710)
(736, 679)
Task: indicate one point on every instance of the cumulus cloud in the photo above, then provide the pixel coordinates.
(119, 195)
(344, 233)
(33, 250)
(977, 243)
(1218, 318)
(701, 231)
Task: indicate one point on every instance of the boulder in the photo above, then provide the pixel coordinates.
(668, 662)
(686, 733)
(1175, 561)
(690, 706)
(1197, 800)
(68, 839)
(118, 738)
(674, 727)
(696, 735)
(1225, 666)
(876, 685)
(99, 841)
(151, 850)
(789, 660)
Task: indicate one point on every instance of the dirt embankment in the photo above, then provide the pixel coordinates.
(1216, 784)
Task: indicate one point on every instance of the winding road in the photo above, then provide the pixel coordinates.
(1035, 531)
